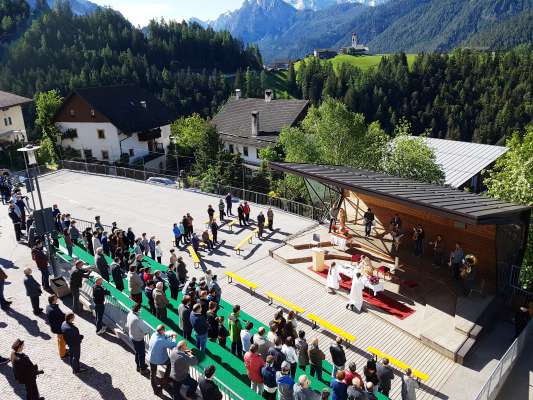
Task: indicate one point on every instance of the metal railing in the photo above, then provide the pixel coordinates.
(289, 206)
(497, 378)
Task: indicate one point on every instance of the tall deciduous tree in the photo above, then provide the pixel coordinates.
(47, 104)
(511, 179)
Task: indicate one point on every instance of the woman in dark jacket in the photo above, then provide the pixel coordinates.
(25, 371)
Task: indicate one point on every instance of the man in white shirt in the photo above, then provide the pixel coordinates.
(246, 337)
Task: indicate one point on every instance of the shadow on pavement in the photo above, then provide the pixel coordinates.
(29, 324)
(17, 388)
(102, 383)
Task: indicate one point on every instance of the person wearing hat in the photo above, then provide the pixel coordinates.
(99, 294)
(208, 388)
(25, 371)
(76, 278)
(33, 290)
(73, 339)
(160, 343)
(285, 382)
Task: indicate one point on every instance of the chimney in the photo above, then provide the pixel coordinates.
(237, 94)
(255, 123)
(269, 95)
(143, 103)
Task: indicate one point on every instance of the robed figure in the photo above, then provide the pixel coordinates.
(356, 293)
(333, 279)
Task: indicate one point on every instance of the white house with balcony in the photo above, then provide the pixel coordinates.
(12, 125)
(107, 123)
(246, 125)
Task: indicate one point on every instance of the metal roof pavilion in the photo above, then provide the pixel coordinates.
(460, 161)
(442, 200)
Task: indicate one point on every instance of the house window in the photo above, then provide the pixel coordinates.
(8, 121)
(132, 152)
(257, 154)
(93, 114)
(72, 112)
(105, 155)
(101, 133)
(230, 148)
(245, 151)
(87, 154)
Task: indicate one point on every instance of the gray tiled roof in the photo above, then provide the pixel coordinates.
(461, 206)
(235, 117)
(260, 141)
(460, 161)
(9, 99)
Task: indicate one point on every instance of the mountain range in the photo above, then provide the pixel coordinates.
(78, 7)
(290, 29)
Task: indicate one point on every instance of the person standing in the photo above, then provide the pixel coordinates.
(17, 222)
(160, 301)
(97, 223)
(145, 244)
(25, 371)
(214, 231)
(97, 243)
(270, 219)
(99, 294)
(117, 274)
(158, 252)
(68, 241)
(385, 376)
(229, 203)
(368, 218)
(221, 212)
(240, 214)
(289, 351)
(151, 247)
(262, 342)
(409, 385)
(268, 372)
(302, 349)
(339, 388)
(438, 251)
(101, 264)
(177, 234)
(173, 282)
(338, 357)
(316, 356)
(418, 237)
(74, 232)
(333, 213)
(356, 293)
(184, 312)
(246, 338)
(370, 372)
(4, 304)
(246, 209)
(302, 390)
(457, 257)
(181, 360)
(33, 290)
(104, 240)
(73, 339)
(210, 213)
(208, 388)
(254, 363)
(260, 224)
(333, 279)
(285, 382)
(135, 285)
(55, 318)
(41, 260)
(76, 278)
(199, 324)
(158, 348)
(235, 327)
(137, 330)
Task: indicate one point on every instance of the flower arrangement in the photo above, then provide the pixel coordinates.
(374, 280)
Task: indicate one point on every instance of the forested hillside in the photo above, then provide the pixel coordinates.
(14, 15)
(180, 63)
(466, 95)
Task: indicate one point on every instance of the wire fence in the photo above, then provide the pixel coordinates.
(496, 380)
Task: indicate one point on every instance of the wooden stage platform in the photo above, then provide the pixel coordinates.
(444, 319)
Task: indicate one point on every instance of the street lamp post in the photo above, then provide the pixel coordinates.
(29, 151)
(28, 171)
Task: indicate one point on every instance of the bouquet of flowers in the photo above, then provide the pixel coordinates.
(374, 280)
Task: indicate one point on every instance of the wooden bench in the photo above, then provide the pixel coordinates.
(397, 363)
(250, 285)
(273, 297)
(231, 223)
(247, 239)
(330, 327)
(194, 256)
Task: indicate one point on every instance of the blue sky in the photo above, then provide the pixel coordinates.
(139, 12)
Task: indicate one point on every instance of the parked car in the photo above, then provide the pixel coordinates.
(154, 180)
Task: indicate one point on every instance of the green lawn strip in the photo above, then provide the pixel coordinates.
(230, 369)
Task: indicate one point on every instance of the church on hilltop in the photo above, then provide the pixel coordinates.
(355, 48)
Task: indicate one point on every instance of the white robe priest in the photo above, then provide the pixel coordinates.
(333, 279)
(356, 293)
